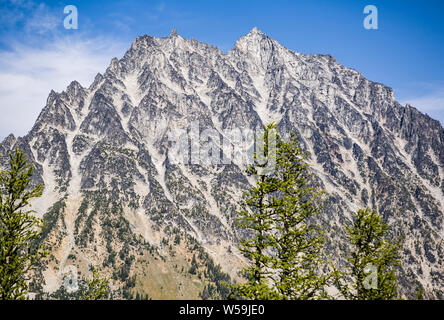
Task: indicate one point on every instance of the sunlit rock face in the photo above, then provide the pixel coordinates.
(103, 155)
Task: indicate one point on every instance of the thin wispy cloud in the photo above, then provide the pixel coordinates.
(19, 4)
(431, 103)
(28, 21)
(43, 20)
(156, 12)
(161, 6)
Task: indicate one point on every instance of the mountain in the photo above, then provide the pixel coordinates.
(115, 198)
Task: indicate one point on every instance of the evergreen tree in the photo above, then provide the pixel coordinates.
(18, 228)
(299, 241)
(419, 294)
(97, 287)
(285, 247)
(372, 259)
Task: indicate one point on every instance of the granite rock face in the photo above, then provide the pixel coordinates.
(103, 152)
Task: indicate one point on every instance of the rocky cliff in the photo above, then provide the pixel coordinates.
(115, 198)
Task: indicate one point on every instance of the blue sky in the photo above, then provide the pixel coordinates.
(38, 54)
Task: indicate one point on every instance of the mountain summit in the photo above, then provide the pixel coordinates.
(115, 198)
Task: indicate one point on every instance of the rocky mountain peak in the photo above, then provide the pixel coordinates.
(173, 33)
(255, 39)
(9, 141)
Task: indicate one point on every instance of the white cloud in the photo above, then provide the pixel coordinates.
(27, 75)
